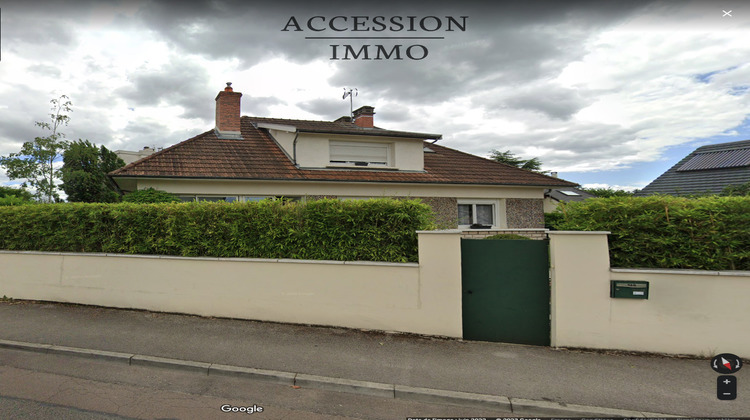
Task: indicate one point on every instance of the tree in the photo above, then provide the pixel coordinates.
(534, 165)
(84, 173)
(15, 192)
(35, 162)
(10, 196)
(608, 192)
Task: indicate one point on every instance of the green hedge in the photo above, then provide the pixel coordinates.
(150, 195)
(11, 200)
(507, 236)
(370, 230)
(706, 233)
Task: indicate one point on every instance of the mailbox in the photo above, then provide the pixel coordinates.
(628, 289)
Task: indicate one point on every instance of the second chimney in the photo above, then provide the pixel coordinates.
(228, 113)
(364, 116)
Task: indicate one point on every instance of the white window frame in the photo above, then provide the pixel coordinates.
(353, 163)
(496, 220)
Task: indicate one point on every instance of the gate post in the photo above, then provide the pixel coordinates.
(579, 276)
(440, 280)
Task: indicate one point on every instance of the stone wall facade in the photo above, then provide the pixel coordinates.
(446, 210)
(525, 213)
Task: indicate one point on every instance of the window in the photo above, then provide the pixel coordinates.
(570, 193)
(271, 197)
(476, 213)
(254, 198)
(346, 153)
(215, 198)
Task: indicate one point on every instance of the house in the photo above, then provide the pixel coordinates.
(251, 158)
(707, 170)
(128, 156)
(553, 197)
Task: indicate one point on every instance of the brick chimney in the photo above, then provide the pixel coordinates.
(364, 116)
(228, 113)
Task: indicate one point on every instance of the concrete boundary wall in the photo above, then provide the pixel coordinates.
(687, 311)
(422, 298)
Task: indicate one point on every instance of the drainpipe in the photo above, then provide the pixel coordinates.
(294, 148)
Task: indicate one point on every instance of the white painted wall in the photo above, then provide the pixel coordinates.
(687, 312)
(338, 189)
(313, 149)
(422, 298)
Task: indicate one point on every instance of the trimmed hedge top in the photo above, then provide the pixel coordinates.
(508, 236)
(705, 233)
(368, 230)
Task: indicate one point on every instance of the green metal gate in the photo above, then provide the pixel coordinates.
(506, 291)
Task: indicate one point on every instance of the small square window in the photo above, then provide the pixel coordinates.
(476, 214)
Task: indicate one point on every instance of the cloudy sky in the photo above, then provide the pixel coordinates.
(605, 93)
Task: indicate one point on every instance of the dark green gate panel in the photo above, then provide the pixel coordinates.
(506, 291)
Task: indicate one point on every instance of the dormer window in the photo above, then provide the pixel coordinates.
(359, 154)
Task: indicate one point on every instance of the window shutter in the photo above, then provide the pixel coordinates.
(350, 152)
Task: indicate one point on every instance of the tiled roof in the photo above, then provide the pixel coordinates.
(334, 127)
(560, 194)
(707, 169)
(257, 156)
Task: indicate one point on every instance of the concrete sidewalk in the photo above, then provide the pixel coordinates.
(530, 380)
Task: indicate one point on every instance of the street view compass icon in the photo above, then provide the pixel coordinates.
(726, 363)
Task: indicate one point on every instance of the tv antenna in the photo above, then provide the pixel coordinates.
(351, 93)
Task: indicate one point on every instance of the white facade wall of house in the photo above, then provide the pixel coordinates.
(245, 189)
(332, 188)
(313, 150)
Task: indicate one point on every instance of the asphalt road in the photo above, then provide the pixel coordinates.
(645, 383)
(46, 386)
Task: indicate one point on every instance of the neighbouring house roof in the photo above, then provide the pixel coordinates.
(708, 169)
(258, 156)
(568, 194)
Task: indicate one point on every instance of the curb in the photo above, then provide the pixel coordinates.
(518, 406)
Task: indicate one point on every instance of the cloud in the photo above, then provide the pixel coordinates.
(393, 112)
(584, 85)
(555, 102)
(142, 132)
(259, 106)
(44, 70)
(329, 109)
(180, 81)
(21, 106)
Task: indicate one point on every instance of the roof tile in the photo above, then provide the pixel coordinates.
(257, 156)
